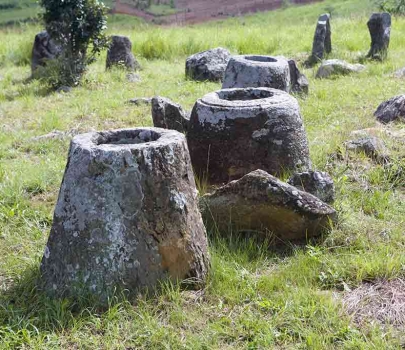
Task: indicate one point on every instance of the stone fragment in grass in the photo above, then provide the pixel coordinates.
(169, 115)
(208, 65)
(379, 26)
(298, 81)
(322, 43)
(44, 49)
(400, 73)
(127, 216)
(235, 131)
(371, 146)
(257, 71)
(133, 78)
(335, 67)
(141, 101)
(318, 183)
(260, 202)
(390, 110)
(120, 54)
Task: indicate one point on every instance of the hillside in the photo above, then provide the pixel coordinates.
(257, 297)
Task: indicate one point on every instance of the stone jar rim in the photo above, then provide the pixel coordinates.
(239, 98)
(127, 139)
(260, 60)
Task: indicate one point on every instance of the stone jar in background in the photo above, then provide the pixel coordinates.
(235, 131)
(127, 216)
(257, 71)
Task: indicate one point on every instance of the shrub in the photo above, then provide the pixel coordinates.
(78, 27)
(395, 7)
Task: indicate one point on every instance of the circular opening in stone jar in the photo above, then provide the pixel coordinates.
(244, 94)
(127, 137)
(260, 58)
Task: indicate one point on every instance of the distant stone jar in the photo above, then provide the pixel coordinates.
(235, 131)
(126, 216)
(120, 54)
(379, 26)
(322, 43)
(208, 65)
(257, 71)
(43, 50)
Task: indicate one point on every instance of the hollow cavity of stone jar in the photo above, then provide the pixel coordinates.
(126, 216)
(257, 71)
(235, 131)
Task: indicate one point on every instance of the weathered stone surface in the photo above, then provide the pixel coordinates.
(44, 49)
(318, 183)
(379, 26)
(126, 216)
(371, 146)
(334, 67)
(400, 73)
(391, 110)
(120, 53)
(235, 131)
(169, 115)
(298, 81)
(261, 202)
(322, 39)
(141, 101)
(208, 65)
(257, 71)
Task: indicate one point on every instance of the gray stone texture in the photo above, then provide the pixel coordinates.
(298, 81)
(318, 183)
(235, 131)
(126, 217)
(208, 65)
(44, 49)
(257, 71)
(260, 202)
(332, 68)
(391, 110)
(379, 26)
(120, 54)
(371, 146)
(169, 115)
(322, 43)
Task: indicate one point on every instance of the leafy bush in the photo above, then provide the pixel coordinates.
(395, 7)
(76, 25)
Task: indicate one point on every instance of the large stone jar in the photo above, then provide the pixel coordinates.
(126, 216)
(257, 71)
(235, 131)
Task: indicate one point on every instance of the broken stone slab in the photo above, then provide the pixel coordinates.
(371, 146)
(260, 202)
(391, 110)
(127, 216)
(120, 54)
(318, 183)
(169, 115)
(208, 65)
(55, 134)
(141, 101)
(44, 49)
(257, 71)
(380, 131)
(379, 26)
(335, 67)
(235, 131)
(298, 81)
(322, 43)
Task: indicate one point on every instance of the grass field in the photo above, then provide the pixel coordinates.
(256, 298)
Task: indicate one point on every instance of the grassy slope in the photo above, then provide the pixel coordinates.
(255, 298)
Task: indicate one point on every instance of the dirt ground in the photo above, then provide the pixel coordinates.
(194, 11)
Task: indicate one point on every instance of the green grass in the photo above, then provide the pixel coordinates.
(162, 10)
(256, 298)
